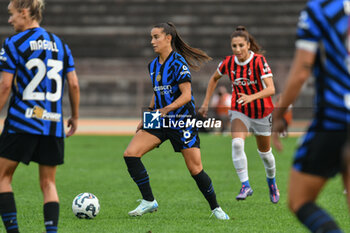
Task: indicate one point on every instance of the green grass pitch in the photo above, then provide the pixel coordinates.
(95, 164)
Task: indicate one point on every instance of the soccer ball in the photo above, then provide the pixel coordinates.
(86, 205)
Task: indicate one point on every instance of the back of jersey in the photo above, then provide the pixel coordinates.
(39, 61)
(324, 29)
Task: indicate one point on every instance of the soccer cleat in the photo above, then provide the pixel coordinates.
(244, 193)
(274, 193)
(144, 207)
(220, 214)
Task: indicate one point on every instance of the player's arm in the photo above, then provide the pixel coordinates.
(299, 72)
(183, 99)
(150, 108)
(5, 87)
(151, 104)
(74, 99)
(269, 90)
(213, 82)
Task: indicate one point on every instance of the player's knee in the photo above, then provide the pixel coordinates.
(47, 184)
(237, 145)
(267, 157)
(129, 152)
(6, 175)
(293, 205)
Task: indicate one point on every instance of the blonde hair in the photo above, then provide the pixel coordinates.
(35, 7)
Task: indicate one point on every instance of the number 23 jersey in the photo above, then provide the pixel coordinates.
(39, 61)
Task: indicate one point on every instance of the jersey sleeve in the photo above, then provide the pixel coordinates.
(264, 68)
(223, 66)
(8, 57)
(70, 60)
(309, 31)
(183, 74)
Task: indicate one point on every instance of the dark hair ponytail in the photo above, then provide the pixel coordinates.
(241, 31)
(193, 56)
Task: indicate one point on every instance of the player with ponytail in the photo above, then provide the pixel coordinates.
(251, 106)
(172, 101)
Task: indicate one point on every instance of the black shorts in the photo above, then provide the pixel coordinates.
(44, 150)
(321, 153)
(180, 139)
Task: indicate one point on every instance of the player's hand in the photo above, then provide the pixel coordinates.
(72, 124)
(278, 128)
(139, 126)
(203, 110)
(163, 111)
(245, 99)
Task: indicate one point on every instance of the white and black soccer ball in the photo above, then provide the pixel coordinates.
(86, 205)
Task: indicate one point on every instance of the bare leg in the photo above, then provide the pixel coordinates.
(140, 144)
(303, 191)
(7, 169)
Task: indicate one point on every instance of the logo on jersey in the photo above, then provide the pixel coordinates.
(40, 113)
(347, 101)
(185, 70)
(244, 82)
(303, 18)
(347, 7)
(2, 52)
(163, 90)
(159, 77)
(266, 68)
(151, 120)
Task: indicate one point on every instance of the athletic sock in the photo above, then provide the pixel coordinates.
(271, 181)
(239, 159)
(246, 183)
(51, 213)
(206, 187)
(8, 212)
(140, 176)
(316, 219)
(269, 163)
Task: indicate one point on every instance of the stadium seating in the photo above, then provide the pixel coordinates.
(111, 43)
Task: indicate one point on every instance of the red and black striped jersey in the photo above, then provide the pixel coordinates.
(246, 77)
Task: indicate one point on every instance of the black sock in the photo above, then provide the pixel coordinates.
(316, 219)
(51, 213)
(205, 185)
(8, 212)
(140, 176)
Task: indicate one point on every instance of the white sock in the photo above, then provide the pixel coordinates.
(269, 163)
(239, 159)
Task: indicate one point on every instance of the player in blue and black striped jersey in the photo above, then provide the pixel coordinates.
(34, 66)
(173, 100)
(322, 46)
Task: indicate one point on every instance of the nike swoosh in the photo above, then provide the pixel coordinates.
(152, 73)
(186, 142)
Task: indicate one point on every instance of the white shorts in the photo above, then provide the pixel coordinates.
(260, 127)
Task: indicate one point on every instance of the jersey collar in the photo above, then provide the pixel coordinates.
(246, 61)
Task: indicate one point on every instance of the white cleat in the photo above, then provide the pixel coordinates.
(220, 214)
(144, 207)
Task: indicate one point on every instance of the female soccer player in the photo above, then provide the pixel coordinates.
(322, 48)
(34, 64)
(172, 101)
(251, 106)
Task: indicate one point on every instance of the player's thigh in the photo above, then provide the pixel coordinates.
(303, 188)
(193, 160)
(141, 143)
(238, 129)
(263, 143)
(47, 173)
(7, 167)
